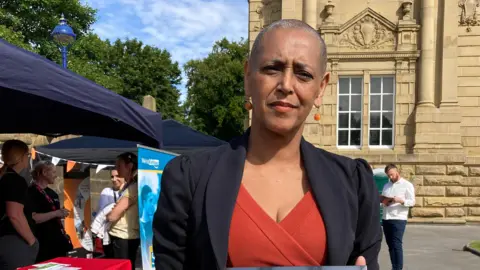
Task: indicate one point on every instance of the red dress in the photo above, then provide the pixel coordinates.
(256, 240)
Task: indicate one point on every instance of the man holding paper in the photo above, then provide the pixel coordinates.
(397, 197)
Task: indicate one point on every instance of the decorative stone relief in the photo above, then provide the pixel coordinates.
(407, 10)
(468, 15)
(269, 11)
(368, 33)
(329, 11)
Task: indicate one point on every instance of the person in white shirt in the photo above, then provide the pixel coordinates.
(397, 197)
(109, 196)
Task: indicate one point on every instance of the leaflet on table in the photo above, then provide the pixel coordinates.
(55, 266)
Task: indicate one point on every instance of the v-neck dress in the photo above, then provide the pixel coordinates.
(256, 240)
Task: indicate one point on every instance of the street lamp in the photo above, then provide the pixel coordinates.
(64, 36)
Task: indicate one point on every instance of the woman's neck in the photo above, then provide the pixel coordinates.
(42, 183)
(17, 168)
(265, 146)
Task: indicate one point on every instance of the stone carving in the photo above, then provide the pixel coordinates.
(329, 11)
(269, 11)
(368, 33)
(407, 10)
(468, 15)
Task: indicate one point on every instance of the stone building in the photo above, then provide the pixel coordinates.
(405, 89)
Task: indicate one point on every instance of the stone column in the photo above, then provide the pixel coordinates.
(426, 93)
(310, 12)
(449, 83)
(150, 103)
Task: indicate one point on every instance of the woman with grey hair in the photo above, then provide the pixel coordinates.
(45, 205)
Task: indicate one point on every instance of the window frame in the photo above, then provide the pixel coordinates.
(349, 129)
(393, 111)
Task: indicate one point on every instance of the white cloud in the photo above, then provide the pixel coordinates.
(186, 28)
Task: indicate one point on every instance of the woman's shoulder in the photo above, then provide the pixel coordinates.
(347, 164)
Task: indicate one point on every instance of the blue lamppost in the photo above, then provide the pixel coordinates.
(64, 36)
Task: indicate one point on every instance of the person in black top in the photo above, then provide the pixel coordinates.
(18, 245)
(45, 206)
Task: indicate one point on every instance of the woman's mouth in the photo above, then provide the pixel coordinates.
(282, 106)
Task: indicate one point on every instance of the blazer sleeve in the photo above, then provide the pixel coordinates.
(171, 218)
(368, 236)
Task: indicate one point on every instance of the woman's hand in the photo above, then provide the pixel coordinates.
(62, 213)
(361, 261)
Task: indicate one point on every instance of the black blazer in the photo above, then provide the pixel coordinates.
(198, 194)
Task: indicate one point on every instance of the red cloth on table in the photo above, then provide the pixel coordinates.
(91, 264)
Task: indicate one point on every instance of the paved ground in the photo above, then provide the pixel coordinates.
(432, 247)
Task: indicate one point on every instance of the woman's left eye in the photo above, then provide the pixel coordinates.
(305, 75)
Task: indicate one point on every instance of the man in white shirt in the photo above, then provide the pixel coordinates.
(397, 197)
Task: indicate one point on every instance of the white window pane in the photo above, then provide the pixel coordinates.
(343, 120)
(387, 137)
(356, 101)
(355, 137)
(388, 85)
(375, 102)
(375, 85)
(355, 120)
(387, 120)
(344, 85)
(387, 103)
(343, 137)
(356, 85)
(343, 102)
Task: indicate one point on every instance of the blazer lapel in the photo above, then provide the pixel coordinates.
(221, 195)
(326, 186)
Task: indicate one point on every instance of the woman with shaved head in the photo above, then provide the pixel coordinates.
(270, 198)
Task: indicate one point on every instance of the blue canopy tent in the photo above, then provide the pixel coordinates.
(39, 96)
(177, 138)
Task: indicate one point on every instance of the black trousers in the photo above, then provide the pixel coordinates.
(108, 251)
(15, 252)
(125, 249)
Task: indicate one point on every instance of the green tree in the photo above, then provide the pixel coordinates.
(90, 57)
(36, 19)
(14, 38)
(215, 87)
(146, 70)
(126, 67)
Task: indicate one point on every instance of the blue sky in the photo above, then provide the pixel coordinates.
(186, 28)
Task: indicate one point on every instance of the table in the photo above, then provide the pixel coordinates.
(91, 264)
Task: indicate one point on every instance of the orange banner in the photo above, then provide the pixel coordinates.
(76, 190)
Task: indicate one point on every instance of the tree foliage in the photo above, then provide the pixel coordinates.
(127, 67)
(215, 87)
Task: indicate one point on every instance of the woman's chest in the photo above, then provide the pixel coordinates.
(276, 194)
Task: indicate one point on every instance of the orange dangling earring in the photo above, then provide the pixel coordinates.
(248, 104)
(316, 116)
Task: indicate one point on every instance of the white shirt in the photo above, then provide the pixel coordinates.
(100, 225)
(402, 189)
(107, 197)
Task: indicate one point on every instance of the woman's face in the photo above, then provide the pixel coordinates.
(123, 168)
(285, 80)
(117, 181)
(50, 174)
(25, 161)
